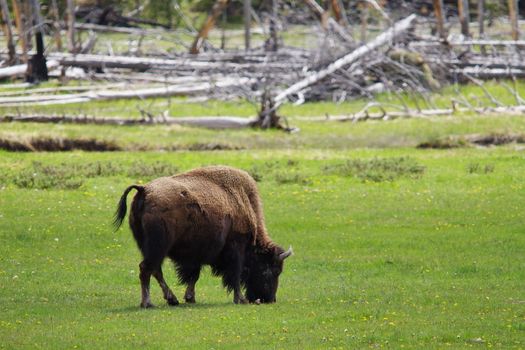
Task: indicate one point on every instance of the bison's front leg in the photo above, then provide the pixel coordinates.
(189, 296)
(232, 276)
(238, 298)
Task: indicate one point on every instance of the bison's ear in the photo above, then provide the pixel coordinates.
(285, 254)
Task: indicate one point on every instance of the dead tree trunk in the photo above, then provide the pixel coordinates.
(56, 24)
(328, 21)
(481, 23)
(385, 38)
(464, 17)
(71, 46)
(20, 25)
(272, 44)
(481, 18)
(268, 117)
(27, 17)
(513, 14)
(440, 18)
(364, 20)
(247, 22)
(336, 9)
(217, 9)
(37, 66)
(8, 31)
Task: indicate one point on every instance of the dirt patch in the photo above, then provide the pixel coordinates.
(446, 143)
(469, 140)
(59, 144)
(213, 147)
(496, 139)
(48, 144)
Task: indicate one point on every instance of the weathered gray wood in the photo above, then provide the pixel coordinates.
(144, 63)
(247, 7)
(204, 122)
(383, 39)
(513, 14)
(20, 69)
(126, 30)
(8, 31)
(96, 95)
(440, 18)
(20, 25)
(330, 22)
(464, 17)
(56, 24)
(481, 18)
(71, 45)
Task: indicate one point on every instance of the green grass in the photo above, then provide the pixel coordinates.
(183, 107)
(396, 247)
(433, 261)
(312, 135)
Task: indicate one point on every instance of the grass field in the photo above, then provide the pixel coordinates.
(396, 247)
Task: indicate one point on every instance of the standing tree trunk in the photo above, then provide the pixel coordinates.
(217, 9)
(337, 11)
(481, 18)
(440, 19)
(27, 17)
(247, 9)
(8, 31)
(464, 17)
(71, 46)
(513, 14)
(364, 20)
(56, 24)
(273, 44)
(20, 25)
(37, 65)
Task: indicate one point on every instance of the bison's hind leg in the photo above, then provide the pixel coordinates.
(189, 275)
(154, 246)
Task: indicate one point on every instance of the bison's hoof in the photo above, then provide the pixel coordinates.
(147, 305)
(190, 300)
(257, 301)
(240, 301)
(173, 302)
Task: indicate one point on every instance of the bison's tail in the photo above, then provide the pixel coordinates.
(120, 214)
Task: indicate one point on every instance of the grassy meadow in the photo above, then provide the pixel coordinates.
(395, 246)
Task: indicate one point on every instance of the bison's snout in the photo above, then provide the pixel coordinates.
(258, 301)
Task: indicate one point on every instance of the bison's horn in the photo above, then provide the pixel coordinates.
(286, 254)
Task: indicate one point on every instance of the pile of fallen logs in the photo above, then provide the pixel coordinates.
(403, 59)
(396, 60)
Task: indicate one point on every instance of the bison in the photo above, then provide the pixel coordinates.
(208, 216)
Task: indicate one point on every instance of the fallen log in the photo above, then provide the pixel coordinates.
(145, 63)
(383, 39)
(204, 122)
(424, 113)
(125, 30)
(480, 42)
(174, 90)
(490, 73)
(20, 69)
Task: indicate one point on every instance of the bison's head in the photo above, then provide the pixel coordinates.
(261, 273)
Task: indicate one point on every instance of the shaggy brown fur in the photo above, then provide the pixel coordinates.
(212, 216)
